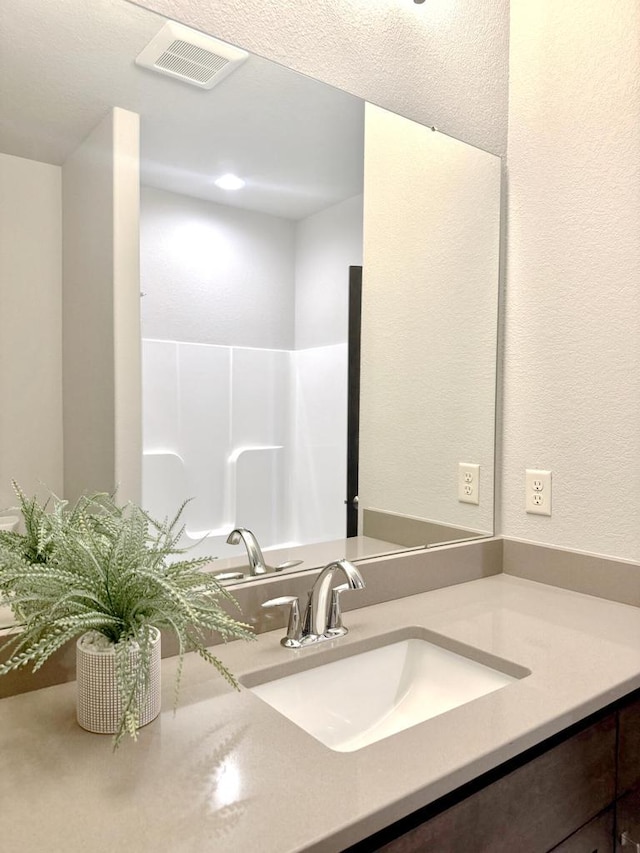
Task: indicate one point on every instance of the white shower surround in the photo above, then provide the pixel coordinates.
(257, 436)
(235, 414)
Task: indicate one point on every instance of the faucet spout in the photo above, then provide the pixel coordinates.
(319, 607)
(322, 617)
(257, 565)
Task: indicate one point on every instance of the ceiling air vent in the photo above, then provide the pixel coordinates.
(188, 55)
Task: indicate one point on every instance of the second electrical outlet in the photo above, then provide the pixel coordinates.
(468, 483)
(538, 491)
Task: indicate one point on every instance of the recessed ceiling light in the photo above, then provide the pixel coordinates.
(229, 182)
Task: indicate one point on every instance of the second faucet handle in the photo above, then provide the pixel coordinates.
(334, 622)
(294, 629)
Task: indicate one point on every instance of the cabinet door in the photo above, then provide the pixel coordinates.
(530, 809)
(595, 837)
(629, 747)
(628, 822)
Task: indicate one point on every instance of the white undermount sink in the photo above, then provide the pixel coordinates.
(357, 700)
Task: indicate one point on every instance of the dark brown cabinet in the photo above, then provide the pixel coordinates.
(575, 794)
(532, 808)
(628, 747)
(628, 821)
(628, 784)
(595, 837)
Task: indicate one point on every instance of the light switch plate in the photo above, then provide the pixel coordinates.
(468, 483)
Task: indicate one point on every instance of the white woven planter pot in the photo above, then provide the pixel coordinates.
(98, 703)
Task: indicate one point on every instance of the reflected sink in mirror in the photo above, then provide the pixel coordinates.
(355, 701)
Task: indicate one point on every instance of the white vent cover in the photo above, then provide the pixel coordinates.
(190, 56)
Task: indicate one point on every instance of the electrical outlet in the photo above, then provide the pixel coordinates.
(468, 483)
(538, 491)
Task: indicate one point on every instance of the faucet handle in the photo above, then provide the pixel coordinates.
(294, 628)
(229, 576)
(334, 623)
(289, 564)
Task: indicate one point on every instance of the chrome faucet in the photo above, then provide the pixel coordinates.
(324, 599)
(322, 618)
(257, 565)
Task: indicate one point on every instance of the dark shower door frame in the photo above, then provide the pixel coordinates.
(353, 397)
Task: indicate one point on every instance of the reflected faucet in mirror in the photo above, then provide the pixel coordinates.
(322, 619)
(257, 563)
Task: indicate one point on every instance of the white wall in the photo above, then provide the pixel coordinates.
(327, 244)
(127, 350)
(215, 274)
(443, 63)
(101, 342)
(572, 337)
(319, 434)
(30, 327)
(429, 302)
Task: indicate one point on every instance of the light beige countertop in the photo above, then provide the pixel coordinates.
(312, 555)
(228, 773)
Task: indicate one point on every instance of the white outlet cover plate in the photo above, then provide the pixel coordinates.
(538, 491)
(468, 483)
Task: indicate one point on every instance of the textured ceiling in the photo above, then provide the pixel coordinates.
(298, 143)
(443, 63)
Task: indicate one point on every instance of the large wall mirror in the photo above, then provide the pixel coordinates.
(246, 287)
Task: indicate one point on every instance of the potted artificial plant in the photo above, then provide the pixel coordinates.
(102, 573)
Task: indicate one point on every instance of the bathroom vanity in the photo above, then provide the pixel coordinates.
(528, 764)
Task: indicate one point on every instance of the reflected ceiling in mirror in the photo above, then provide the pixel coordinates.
(299, 142)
